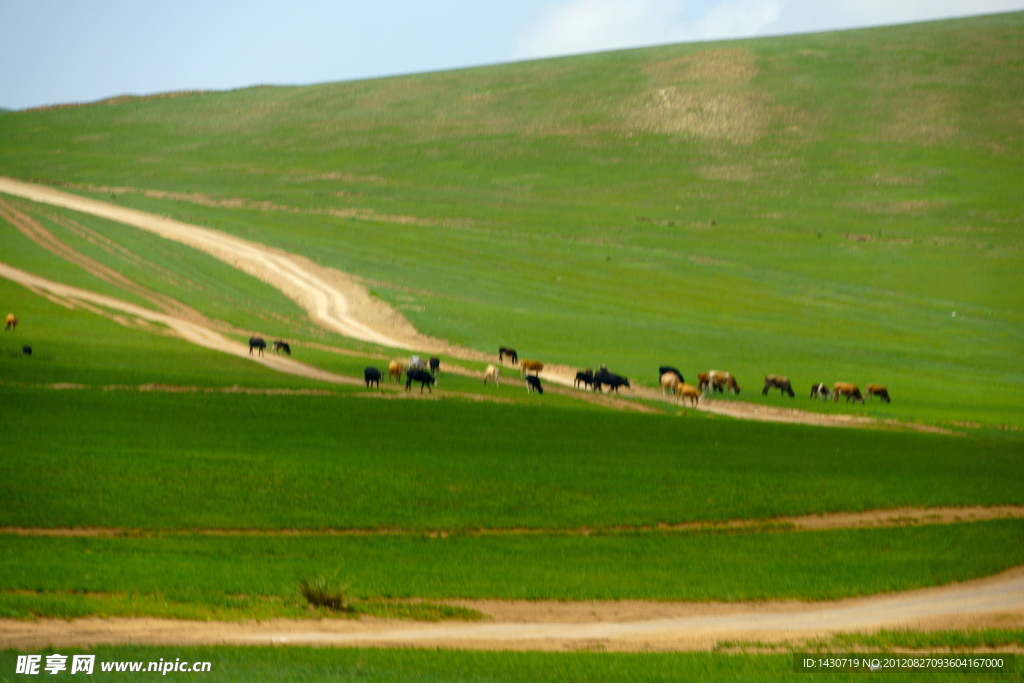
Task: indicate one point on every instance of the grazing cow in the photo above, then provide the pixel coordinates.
(27, 350)
(416, 363)
(720, 381)
(821, 391)
(505, 351)
(584, 377)
(257, 343)
(703, 381)
(372, 376)
(435, 364)
(533, 384)
(848, 390)
(877, 390)
(423, 377)
(491, 374)
(528, 366)
(668, 368)
(280, 346)
(12, 323)
(669, 382)
(684, 390)
(777, 382)
(395, 370)
(603, 376)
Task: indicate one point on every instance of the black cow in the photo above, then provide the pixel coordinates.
(603, 376)
(666, 368)
(422, 376)
(27, 350)
(505, 351)
(777, 382)
(435, 364)
(585, 377)
(533, 384)
(257, 343)
(372, 376)
(821, 391)
(280, 346)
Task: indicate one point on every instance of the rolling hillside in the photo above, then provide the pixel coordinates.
(839, 206)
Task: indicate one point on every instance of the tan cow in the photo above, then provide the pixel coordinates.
(491, 374)
(847, 389)
(879, 391)
(528, 366)
(684, 390)
(12, 323)
(669, 383)
(395, 370)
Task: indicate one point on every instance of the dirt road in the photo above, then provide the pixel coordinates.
(627, 626)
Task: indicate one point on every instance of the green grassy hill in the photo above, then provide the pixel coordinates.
(812, 205)
(818, 206)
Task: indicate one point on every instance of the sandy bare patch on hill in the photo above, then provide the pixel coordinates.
(555, 626)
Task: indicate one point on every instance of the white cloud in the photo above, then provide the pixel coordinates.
(578, 26)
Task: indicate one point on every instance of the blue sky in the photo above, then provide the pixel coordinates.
(56, 51)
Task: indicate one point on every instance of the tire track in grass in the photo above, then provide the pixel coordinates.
(870, 519)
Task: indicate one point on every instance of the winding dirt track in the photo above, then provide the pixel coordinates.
(627, 626)
(338, 302)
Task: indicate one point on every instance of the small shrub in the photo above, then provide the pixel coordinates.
(323, 591)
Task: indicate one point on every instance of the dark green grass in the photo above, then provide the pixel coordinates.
(158, 461)
(651, 566)
(532, 176)
(966, 639)
(301, 664)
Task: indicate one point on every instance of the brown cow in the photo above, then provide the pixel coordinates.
(395, 370)
(879, 391)
(528, 366)
(720, 381)
(684, 390)
(847, 389)
(777, 382)
(703, 381)
(12, 323)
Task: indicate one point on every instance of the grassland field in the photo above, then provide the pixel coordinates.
(817, 206)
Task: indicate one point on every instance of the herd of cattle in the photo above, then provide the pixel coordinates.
(671, 378)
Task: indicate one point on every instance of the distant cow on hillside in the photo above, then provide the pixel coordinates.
(720, 381)
(257, 343)
(435, 364)
(280, 346)
(423, 377)
(847, 389)
(668, 368)
(505, 351)
(12, 323)
(777, 382)
(491, 374)
(528, 366)
(533, 384)
(372, 376)
(687, 391)
(821, 391)
(603, 376)
(879, 391)
(584, 377)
